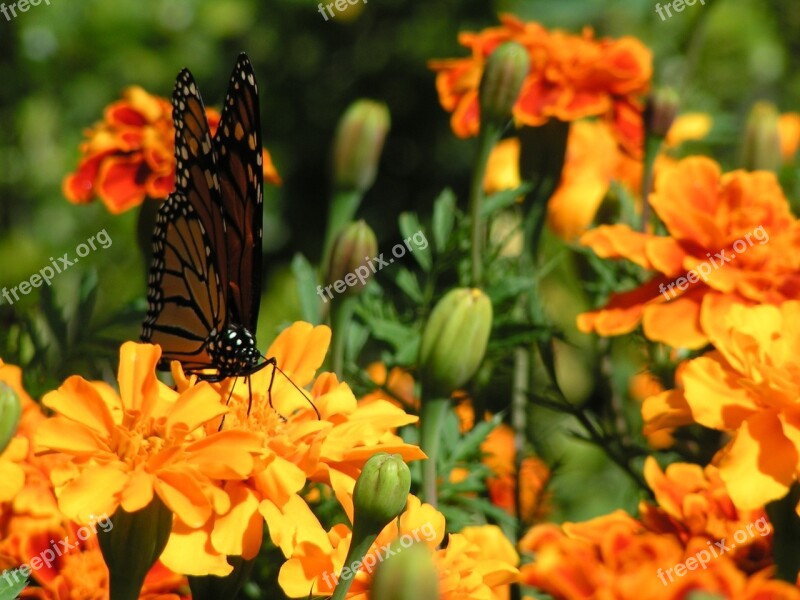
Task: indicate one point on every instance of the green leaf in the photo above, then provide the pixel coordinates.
(444, 212)
(504, 199)
(306, 278)
(411, 227)
(407, 281)
(12, 585)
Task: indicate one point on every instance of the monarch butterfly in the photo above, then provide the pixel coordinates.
(205, 276)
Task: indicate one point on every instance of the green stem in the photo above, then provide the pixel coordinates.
(343, 208)
(359, 546)
(432, 418)
(487, 138)
(341, 316)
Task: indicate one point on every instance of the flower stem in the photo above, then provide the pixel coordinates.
(341, 316)
(359, 546)
(487, 138)
(343, 208)
(432, 418)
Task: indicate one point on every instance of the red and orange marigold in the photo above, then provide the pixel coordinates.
(571, 77)
(129, 156)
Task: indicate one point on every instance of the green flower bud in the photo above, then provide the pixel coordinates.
(352, 251)
(133, 544)
(358, 145)
(503, 76)
(381, 492)
(454, 340)
(660, 111)
(10, 412)
(408, 574)
(761, 148)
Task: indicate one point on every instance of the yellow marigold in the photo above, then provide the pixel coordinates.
(642, 386)
(146, 440)
(397, 387)
(477, 563)
(746, 387)
(296, 446)
(730, 235)
(571, 77)
(129, 156)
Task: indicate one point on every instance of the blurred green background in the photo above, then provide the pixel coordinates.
(62, 63)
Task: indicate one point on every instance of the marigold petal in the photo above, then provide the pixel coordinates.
(138, 385)
(183, 496)
(83, 402)
(759, 464)
(94, 492)
(300, 350)
(239, 532)
(138, 491)
(62, 435)
(677, 322)
(189, 551)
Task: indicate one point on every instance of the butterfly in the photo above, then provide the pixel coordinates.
(205, 276)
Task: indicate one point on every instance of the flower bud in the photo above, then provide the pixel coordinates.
(761, 148)
(660, 111)
(454, 340)
(381, 492)
(10, 412)
(350, 256)
(408, 574)
(505, 72)
(358, 145)
(133, 544)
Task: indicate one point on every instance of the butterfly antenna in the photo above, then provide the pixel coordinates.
(272, 361)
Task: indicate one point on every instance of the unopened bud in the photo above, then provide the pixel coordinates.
(761, 148)
(381, 491)
(454, 340)
(408, 574)
(503, 76)
(358, 145)
(660, 111)
(352, 251)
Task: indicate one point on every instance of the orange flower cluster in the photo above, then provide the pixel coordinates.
(571, 77)
(708, 216)
(129, 156)
(747, 387)
(477, 563)
(65, 559)
(665, 554)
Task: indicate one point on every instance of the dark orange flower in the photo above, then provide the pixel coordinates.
(129, 156)
(571, 77)
(731, 237)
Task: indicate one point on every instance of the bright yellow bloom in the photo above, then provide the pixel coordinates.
(148, 439)
(296, 447)
(748, 387)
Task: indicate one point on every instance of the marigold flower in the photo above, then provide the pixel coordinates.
(730, 236)
(146, 440)
(789, 132)
(129, 156)
(478, 562)
(743, 388)
(570, 77)
(296, 446)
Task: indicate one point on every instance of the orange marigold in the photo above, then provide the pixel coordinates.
(748, 387)
(129, 156)
(571, 77)
(729, 236)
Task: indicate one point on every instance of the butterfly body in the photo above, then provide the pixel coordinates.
(205, 279)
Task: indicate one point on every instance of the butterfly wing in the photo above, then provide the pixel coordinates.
(187, 297)
(241, 181)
